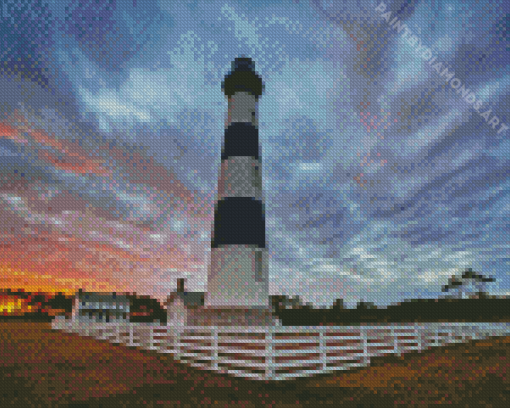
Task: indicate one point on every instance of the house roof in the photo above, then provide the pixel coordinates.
(188, 298)
(102, 297)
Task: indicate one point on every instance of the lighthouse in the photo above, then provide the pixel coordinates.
(238, 275)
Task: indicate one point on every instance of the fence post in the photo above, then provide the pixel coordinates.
(168, 337)
(269, 353)
(396, 348)
(322, 345)
(216, 346)
(418, 330)
(178, 349)
(131, 343)
(174, 341)
(364, 335)
(451, 334)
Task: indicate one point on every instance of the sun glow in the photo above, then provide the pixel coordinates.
(11, 307)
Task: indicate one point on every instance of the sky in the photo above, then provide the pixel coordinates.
(381, 176)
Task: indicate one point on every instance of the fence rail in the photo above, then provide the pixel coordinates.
(278, 353)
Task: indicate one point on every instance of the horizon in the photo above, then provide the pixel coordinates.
(449, 296)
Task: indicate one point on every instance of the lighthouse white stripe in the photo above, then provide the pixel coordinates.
(242, 107)
(241, 176)
(239, 275)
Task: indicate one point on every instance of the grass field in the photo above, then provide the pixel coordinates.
(40, 367)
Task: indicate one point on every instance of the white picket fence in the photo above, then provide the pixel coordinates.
(278, 353)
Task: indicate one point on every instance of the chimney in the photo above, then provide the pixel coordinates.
(180, 285)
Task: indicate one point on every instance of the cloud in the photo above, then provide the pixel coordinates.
(379, 181)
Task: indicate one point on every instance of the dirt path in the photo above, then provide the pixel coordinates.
(52, 368)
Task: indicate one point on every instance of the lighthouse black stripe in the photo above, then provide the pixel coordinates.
(239, 220)
(241, 139)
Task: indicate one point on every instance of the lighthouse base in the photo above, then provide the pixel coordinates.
(203, 316)
(238, 277)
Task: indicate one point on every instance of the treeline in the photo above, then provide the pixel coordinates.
(43, 307)
(144, 309)
(290, 311)
(33, 306)
(416, 310)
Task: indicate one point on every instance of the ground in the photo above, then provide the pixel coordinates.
(42, 367)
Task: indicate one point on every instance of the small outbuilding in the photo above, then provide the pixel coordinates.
(181, 302)
(187, 309)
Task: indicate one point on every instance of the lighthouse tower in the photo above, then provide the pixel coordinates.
(239, 273)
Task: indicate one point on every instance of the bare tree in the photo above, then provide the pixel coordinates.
(468, 276)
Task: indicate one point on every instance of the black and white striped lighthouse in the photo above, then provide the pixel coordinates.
(239, 273)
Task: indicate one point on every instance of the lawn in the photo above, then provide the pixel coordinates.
(42, 367)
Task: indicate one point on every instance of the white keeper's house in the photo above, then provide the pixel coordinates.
(100, 307)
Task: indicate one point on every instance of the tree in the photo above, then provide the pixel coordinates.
(338, 304)
(60, 301)
(362, 305)
(468, 276)
(482, 295)
(280, 302)
(145, 309)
